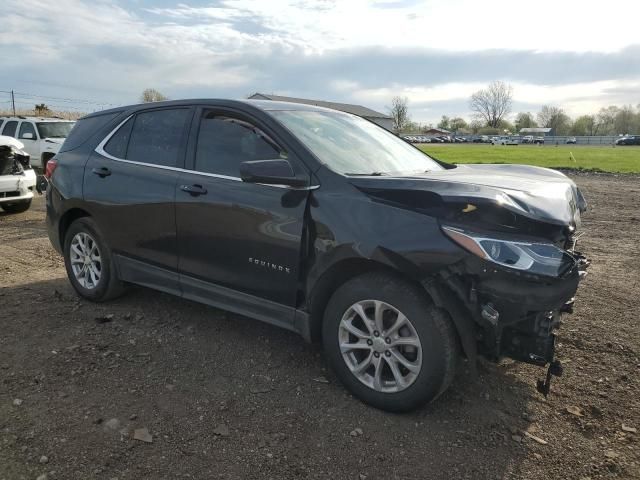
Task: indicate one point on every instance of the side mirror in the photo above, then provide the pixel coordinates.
(27, 136)
(271, 172)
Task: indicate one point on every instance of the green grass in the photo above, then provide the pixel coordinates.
(605, 158)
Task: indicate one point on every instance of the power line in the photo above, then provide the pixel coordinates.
(60, 99)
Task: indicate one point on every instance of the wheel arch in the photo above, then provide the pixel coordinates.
(67, 219)
(435, 289)
(337, 275)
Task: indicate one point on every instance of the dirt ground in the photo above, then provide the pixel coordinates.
(223, 396)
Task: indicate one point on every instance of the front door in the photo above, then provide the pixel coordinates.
(242, 236)
(28, 136)
(130, 184)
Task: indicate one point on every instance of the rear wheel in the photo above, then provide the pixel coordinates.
(89, 262)
(16, 207)
(388, 345)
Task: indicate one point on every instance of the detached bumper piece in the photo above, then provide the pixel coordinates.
(512, 329)
(555, 370)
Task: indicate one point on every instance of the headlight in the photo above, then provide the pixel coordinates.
(537, 258)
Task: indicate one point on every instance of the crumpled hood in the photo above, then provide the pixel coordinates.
(534, 192)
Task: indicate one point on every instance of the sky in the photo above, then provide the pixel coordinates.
(88, 55)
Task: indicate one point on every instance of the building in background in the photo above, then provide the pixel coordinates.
(540, 131)
(381, 119)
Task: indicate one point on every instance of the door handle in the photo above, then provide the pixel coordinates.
(194, 190)
(102, 172)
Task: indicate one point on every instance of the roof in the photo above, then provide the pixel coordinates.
(35, 119)
(438, 130)
(343, 107)
(535, 130)
(265, 105)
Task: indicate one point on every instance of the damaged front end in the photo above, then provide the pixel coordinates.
(516, 311)
(516, 286)
(520, 226)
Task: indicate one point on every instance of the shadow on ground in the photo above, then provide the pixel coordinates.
(223, 396)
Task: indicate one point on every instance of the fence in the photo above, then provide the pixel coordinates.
(586, 140)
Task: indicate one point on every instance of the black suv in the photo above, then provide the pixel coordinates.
(323, 223)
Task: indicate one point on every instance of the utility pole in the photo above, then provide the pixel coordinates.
(13, 103)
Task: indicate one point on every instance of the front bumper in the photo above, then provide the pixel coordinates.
(18, 187)
(515, 314)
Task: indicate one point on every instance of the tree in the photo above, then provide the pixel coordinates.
(493, 103)
(42, 110)
(444, 123)
(399, 112)
(554, 118)
(584, 125)
(475, 125)
(152, 95)
(625, 120)
(607, 120)
(506, 126)
(457, 123)
(525, 120)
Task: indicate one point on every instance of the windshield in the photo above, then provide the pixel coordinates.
(54, 129)
(351, 145)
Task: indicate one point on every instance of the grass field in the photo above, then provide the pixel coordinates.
(605, 158)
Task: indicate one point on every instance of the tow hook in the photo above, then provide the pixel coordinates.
(555, 369)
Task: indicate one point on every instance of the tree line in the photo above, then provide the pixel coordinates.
(491, 108)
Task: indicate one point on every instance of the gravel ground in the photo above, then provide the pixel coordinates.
(152, 386)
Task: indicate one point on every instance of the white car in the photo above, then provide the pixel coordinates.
(42, 137)
(504, 140)
(17, 178)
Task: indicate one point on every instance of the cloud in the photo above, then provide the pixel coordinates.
(356, 51)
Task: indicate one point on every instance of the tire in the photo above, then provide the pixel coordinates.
(16, 207)
(436, 355)
(107, 286)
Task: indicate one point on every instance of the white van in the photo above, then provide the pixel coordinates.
(42, 137)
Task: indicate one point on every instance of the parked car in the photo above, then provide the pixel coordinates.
(571, 141)
(538, 140)
(481, 139)
(504, 140)
(17, 178)
(628, 140)
(41, 137)
(293, 215)
(527, 139)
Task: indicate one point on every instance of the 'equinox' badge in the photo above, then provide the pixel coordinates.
(272, 266)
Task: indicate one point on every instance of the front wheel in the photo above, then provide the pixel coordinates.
(16, 207)
(388, 344)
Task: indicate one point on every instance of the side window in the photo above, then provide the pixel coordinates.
(225, 142)
(27, 127)
(156, 136)
(10, 128)
(117, 144)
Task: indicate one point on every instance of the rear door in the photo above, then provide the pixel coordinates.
(233, 234)
(9, 129)
(130, 183)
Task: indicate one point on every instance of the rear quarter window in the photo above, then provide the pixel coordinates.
(84, 129)
(9, 128)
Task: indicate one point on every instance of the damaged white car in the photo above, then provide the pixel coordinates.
(17, 177)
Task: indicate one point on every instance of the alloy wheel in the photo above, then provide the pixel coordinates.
(86, 262)
(380, 346)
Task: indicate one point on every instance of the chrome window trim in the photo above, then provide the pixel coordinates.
(101, 151)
